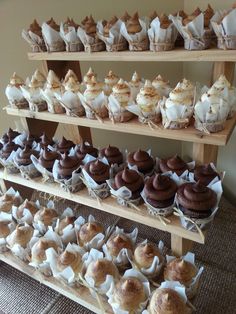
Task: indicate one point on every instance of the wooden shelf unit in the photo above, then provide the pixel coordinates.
(80, 294)
(189, 134)
(176, 55)
(108, 205)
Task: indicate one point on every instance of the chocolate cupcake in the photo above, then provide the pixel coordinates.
(1, 145)
(45, 141)
(205, 174)
(28, 140)
(112, 154)
(174, 164)
(132, 180)
(84, 149)
(65, 145)
(196, 200)
(8, 148)
(67, 164)
(47, 158)
(11, 135)
(23, 158)
(98, 171)
(142, 160)
(160, 191)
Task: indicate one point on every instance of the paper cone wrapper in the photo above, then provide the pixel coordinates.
(72, 41)
(9, 165)
(71, 103)
(54, 105)
(27, 172)
(16, 98)
(52, 39)
(95, 109)
(11, 225)
(91, 44)
(117, 113)
(35, 99)
(192, 288)
(36, 42)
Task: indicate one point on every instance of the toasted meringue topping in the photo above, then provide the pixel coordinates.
(111, 78)
(89, 75)
(70, 73)
(53, 81)
(71, 85)
(16, 80)
(39, 77)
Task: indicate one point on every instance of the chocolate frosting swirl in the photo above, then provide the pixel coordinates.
(130, 179)
(64, 145)
(98, 171)
(112, 154)
(84, 149)
(8, 149)
(196, 197)
(12, 134)
(23, 158)
(47, 158)
(160, 188)
(45, 141)
(142, 160)
(174, 164)
(205, 174)
(67, 164)
(35, 28)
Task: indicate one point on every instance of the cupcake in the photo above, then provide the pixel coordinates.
(47, 158)
(125, 17)
(135, 84)
(67, 165)
(9, 199)
(109, 24)
(53, 85)
(68, 32)
(148, 103)
(69, 259)
(23, 157)
(31, 208)
(153, 15)
(142, 160)
(14, 93)
(51, 35)
(9, 135)
(116, 244)
(5, 230)
(118, 102)
(7, 149)
(33, 92)
(162, 34)
(63, 223)
(167, 300)
(34, 37)
(112, 154)
(88, 232)
(196, 200)
(45, 217)
(85, 148)
(133, 182)
(110, 80)
(88, 76)
(64, 145)
(70, 73)
(205, 174)
(94, 100)
(46, 141)
(162, 86)
(177, 110)
(159, 192)
(88, 35)
(174, 164)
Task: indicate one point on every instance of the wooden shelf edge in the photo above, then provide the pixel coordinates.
(134, 127)
(176, 55)
(80, 295)
(108, 205)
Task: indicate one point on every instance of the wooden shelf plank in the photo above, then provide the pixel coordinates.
(189, 134)
(178, 54)
(108, 205)
(80, 294)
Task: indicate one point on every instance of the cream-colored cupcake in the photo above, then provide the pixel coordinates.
(94, 88)
(39, 77)
(187, 87)
(14, 93)
(89, 75)
(162, 86)
(71, 85)
(110, 80)
(147, 100)
(70, 73)
(135, 85)
(121, 92)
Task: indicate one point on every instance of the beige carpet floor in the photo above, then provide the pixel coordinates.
(20, 294)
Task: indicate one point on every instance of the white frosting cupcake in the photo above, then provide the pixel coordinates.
(88, 76)
(70, 73)
(14, 93)
(162, 86)
(148, 97)
(110, 80)
(53, 83)
(135, 85)
(121, 92)
(187, 87)
(71, 85)
(94, 88)
(39, 77)
(179, 97)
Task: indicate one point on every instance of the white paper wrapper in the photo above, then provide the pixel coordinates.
(71, 103)
(16, 98)
(93, 256)
(155, 269)
(47, 175)
(16, 200)
(98, 191)
(115, 41)
(161, 39)
(220, 176)
(27, 217)
(68, 233)
(45, 266)
(123, 195)
(134, 90)
(9, 164)
(72, 41)
(122, 259)
(91, 44)
(54, 106)
(138, 41)
(36, 42)
(175, 116)
(20, 139)
(97, 108)
(149, 118)
(29, 171)
(67, 275)
(225, 29)
(117, 113)
(97, 241)
(195, 37)
(18, 250)
(110, 294)
(190, 290)
(34, 98)
(52, 39)
(40, 226)
(197, 225)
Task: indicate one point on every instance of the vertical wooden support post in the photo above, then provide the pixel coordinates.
(203, 153)
(60, 68)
